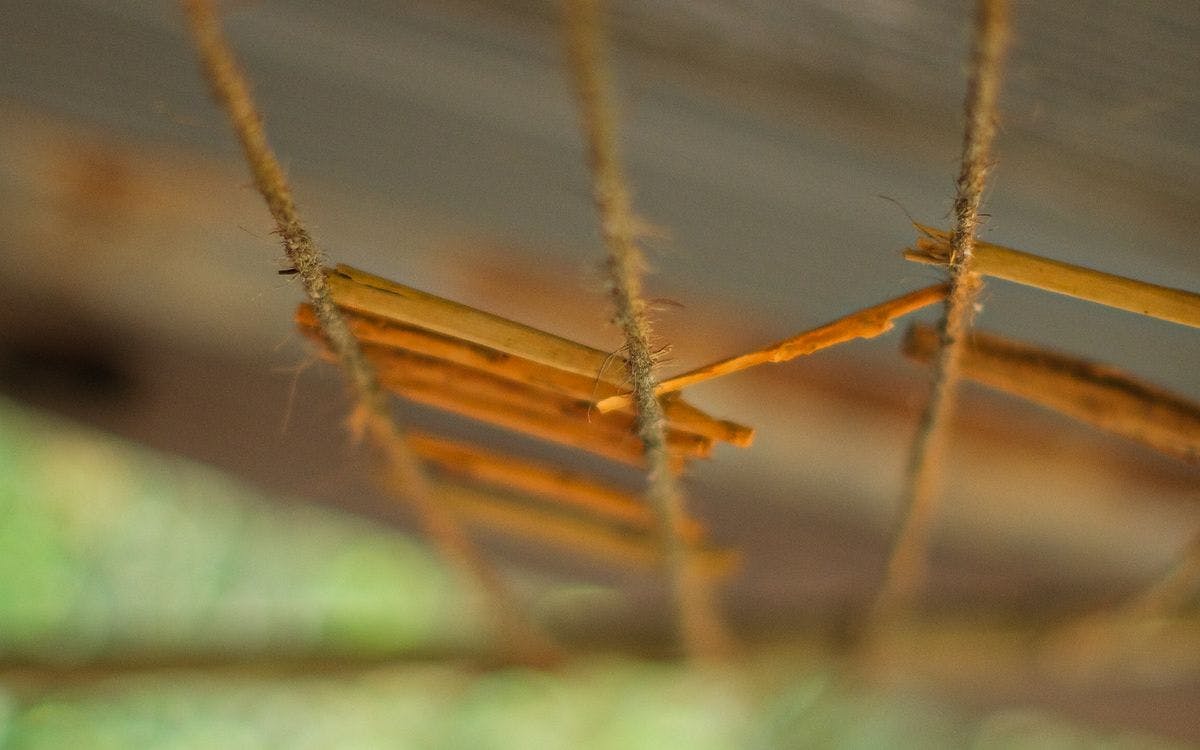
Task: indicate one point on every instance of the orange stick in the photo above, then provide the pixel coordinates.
(523, 410)
(515, 407)
(1095, 394)
(382, 333)
(863, 324)
(580, 537)
(411, 369)
(571, 489)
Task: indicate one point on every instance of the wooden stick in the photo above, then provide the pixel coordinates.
(864, 324)
(1098, 395)
(366, 293)
(1164, 303)
(580, 537)
(572, 490)
(469, 387)
(372, 330)
(512, 406)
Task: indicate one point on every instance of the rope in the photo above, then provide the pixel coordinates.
(371, 417)
(906, 569)
(702, 634)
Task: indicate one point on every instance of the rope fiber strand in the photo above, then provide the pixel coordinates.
(702, 634)
(906, 570)
(372, 417)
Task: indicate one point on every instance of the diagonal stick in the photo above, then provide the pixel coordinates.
(864, 324)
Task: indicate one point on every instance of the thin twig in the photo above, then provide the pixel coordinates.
(1165, 303)
(906, 566)
(863, 324)
(372, 416)
(702, 633)
(1096, 394)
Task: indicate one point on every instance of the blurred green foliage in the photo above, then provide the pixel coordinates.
(107, 549)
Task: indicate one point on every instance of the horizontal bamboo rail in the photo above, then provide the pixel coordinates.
(458, 390)
(568, 489)
(1164, 303)
(578, 536)
(366, 293)
(375, 331)
(1095, 394)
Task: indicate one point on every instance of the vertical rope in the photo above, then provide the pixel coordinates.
(906, 569)
(702, 634)
(372, 417)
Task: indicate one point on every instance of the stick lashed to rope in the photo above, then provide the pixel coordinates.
(372, 417)
(1093, 393)
(701, 632)
(867, 323)
(1174, 305)
(906, 567)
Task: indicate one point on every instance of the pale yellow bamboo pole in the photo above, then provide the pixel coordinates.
(1165, 303)
(373, 295)
(864, 324)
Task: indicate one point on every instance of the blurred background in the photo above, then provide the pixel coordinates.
(187, 523)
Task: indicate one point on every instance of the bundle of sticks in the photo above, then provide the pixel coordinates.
(462, 360)
(457, 358)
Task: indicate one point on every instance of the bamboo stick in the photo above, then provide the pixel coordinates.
(864, 324)
(370, 329)
(568, 488)
(580, 537)
(471, 394)
(1095, 394)
(1164, 303)
(405, 369)
(624, 449)
(373, 295)
(409, 371)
